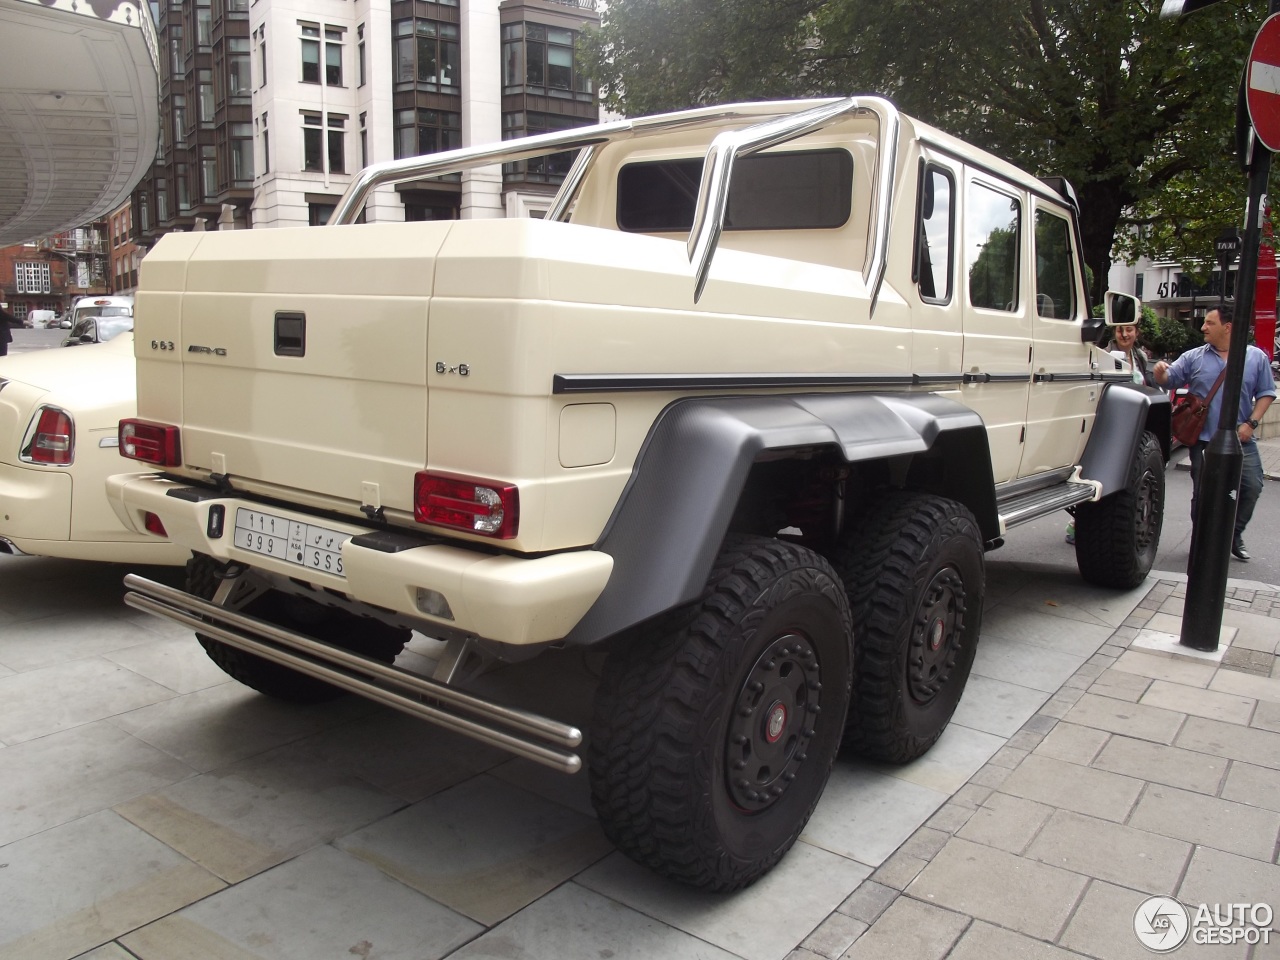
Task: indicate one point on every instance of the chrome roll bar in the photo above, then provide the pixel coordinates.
(713, 195)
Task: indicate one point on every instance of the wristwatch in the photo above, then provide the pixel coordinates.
(1252, 423)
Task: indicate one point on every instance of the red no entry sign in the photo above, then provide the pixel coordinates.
(1262, 90)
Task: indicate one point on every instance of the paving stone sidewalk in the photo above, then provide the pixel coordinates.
(1143, 775)
(153, 809)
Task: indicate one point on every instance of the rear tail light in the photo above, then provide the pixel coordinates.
(486, 507)
(51, 438)
(154, 524)
(150, 442)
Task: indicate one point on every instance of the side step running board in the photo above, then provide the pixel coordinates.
(525, 734)
(1046, 500)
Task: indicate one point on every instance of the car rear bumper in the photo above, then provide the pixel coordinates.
(499, 597)
(35, 504)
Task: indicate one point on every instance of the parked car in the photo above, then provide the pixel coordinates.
(42, 319)
(99, 319)
(59, 412)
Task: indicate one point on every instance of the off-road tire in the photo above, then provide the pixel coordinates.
(914, 570)
(338, 627)
(715, 728)
(1117, 537)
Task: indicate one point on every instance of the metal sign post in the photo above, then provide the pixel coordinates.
(1219, 483)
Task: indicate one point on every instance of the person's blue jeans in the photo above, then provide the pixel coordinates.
(1252, 480)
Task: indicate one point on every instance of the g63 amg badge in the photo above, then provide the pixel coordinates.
(216, 351)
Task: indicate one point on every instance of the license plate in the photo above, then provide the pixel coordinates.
(304, 544)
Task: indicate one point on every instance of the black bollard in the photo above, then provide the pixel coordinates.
(1211, 530)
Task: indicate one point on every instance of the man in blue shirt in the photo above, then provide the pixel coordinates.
(1198, 369)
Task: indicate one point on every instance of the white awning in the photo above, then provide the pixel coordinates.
(79, 111)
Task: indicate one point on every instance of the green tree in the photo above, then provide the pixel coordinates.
(1166, 336)
(1137, 112)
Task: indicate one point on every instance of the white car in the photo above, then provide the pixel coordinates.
(59, 411)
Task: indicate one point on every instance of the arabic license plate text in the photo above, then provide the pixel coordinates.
(304, 544)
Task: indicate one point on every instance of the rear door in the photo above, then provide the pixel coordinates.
(304, 358)
(997, 323)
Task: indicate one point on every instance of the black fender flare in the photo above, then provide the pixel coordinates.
(675, 510)
(1123, 413)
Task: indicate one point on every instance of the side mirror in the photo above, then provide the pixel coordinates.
(1122, 309)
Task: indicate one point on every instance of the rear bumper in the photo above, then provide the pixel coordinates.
(36, 503)
(496, 597)
(36, 509)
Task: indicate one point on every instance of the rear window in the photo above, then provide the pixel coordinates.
(103, 311)
(810, 190)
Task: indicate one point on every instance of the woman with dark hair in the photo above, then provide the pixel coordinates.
(1123, 345)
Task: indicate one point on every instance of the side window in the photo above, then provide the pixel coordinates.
(934, 235)
(809, 190)
(993, 221)
(1055, 291)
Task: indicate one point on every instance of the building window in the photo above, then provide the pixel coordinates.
(337, 140)
(360, 63)
(312, 142)
(241, 154)
(545, 169)
(179, 120)
(239, 80)
(175, 50)
(183, 185)
(541, 59)
(205, 101)
(310, 53)
(208, 173)
(427, 54)
(333, 57)
(260, 38)
(266, 146)
(162, 200)
(318, 213)
(426, 131)
(32, 277)
(364, 141)
(204, 24)
(1137, 285)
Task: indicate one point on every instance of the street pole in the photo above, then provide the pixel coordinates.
(1217, 491)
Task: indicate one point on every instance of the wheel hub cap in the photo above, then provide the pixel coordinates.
(776, 722)
(936, 636)
(772, 722)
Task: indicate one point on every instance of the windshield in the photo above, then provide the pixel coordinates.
(96, 310)
(101, 329)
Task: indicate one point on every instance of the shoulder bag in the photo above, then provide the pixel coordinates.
(1190, 413)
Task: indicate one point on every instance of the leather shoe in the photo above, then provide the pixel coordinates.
(1238, 551)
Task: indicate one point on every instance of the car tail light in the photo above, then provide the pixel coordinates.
(486, 507)
(51, 437)
(150, 442)
(154, 524)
